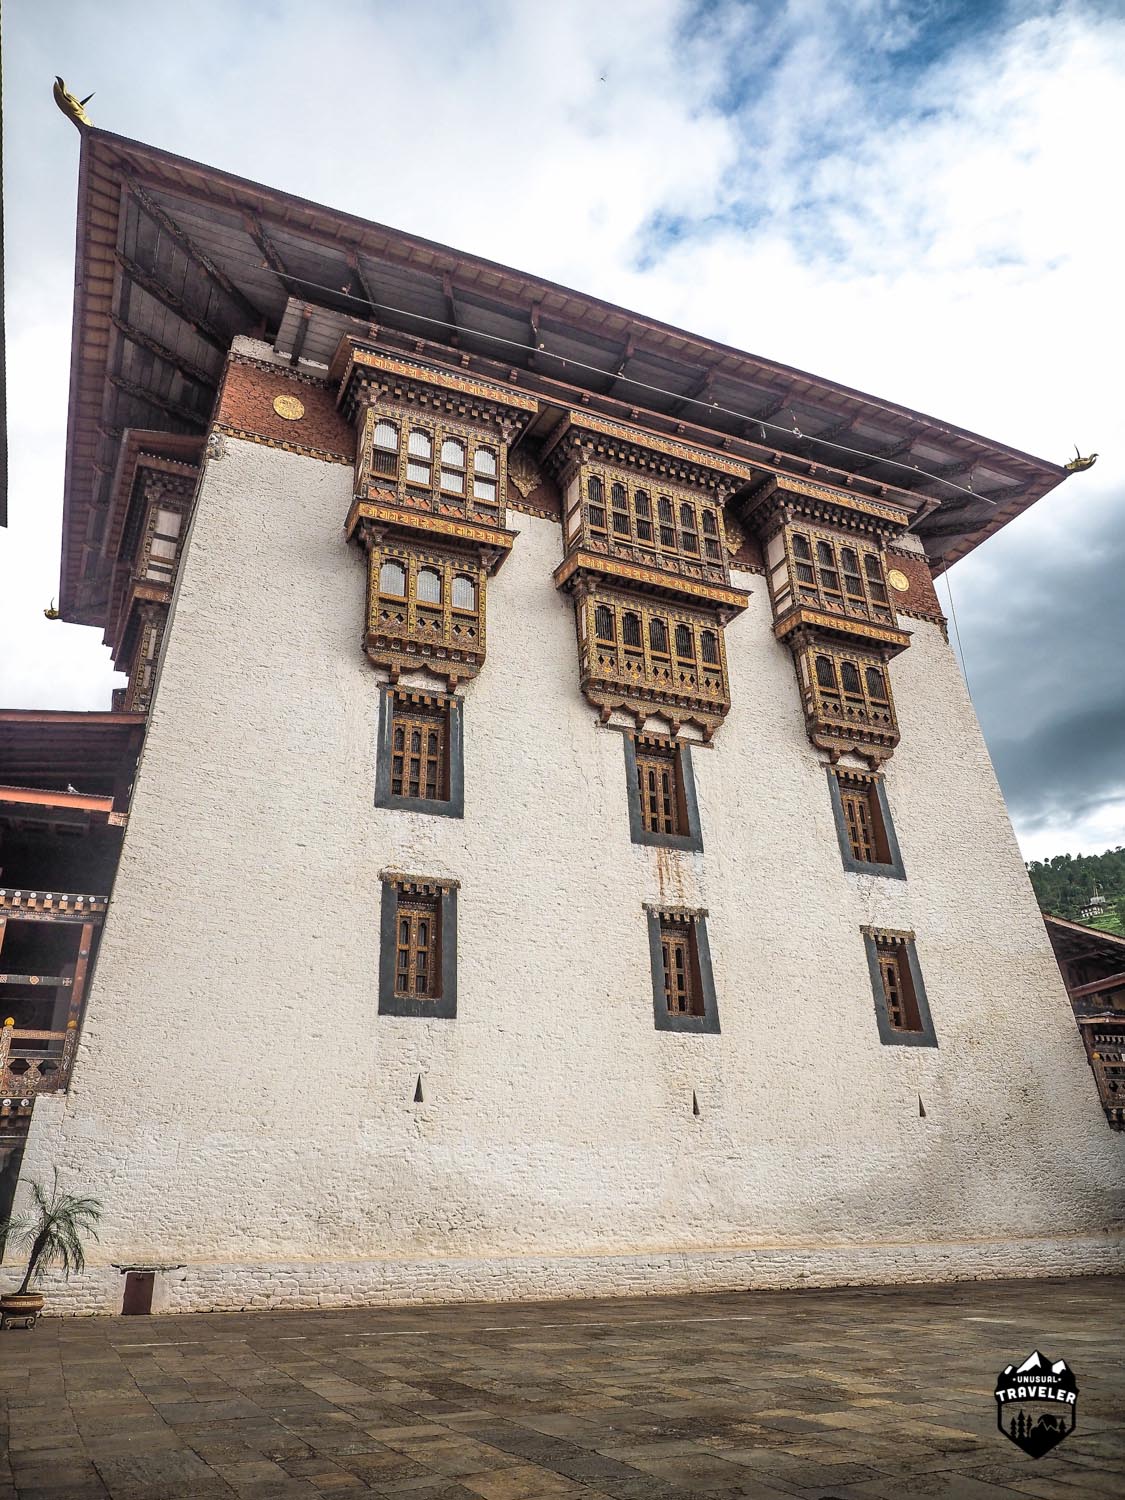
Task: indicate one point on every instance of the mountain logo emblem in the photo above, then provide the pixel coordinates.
(1036, 1403)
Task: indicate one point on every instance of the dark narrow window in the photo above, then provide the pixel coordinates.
(619, 500)
(853, 583)
(876, 685)
(417, 966)
(658, 637)
(802, 562)
(667, 522)
(642, 510)
(688, 531)
(875, 583)
(595, 509)
(898, 987)
(711, 545)
(826, 564)
(604, 623)
(685, 643)
(683, 987)
(863, 824)
(901, 1008)
(826, 673)
(709, 647)
(631, 629)
(849, 679)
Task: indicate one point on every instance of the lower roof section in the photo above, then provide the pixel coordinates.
(50, 750)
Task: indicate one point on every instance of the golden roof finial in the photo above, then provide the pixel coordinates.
(70, 106)
(1078, 463)
(51, 612)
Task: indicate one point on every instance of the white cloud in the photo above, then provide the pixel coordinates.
(937, 226)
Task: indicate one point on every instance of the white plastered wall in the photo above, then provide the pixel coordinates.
(248, 1117)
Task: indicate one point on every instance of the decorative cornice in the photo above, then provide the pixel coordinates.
(324, 454)
(845, 625)
(578, 424)
(731, 600)
(435, 528)
(777, 489)
(422, 885)
(408, 372)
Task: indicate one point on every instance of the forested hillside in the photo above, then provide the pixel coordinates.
(1065, 883)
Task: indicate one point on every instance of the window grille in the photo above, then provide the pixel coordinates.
(417, 968)
(429, 586)
(642, 511)
(876, 685)
(658, 637)
(419, 752)
(709, 647)
(875, 582)
(464, 592)
(898, 985)
(660, 793)
(619, 500)
(688, 536)
(826, 566)
(384, 456)
(667, 523)
(849, 566)
(453, 466)
(826, 673)
(685, 643)
(604, 623)
(419, 461)
(849, 679)
(485, 473)
(631, 629)
(392, 579)
(682, 991)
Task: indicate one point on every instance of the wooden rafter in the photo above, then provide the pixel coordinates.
(189, 315)
(169, 356)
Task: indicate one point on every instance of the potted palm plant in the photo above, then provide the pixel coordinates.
(52, 1232)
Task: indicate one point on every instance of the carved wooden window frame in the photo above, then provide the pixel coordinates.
(452, 803)
(686, 926)
(674, 673)
(643, 540)
(420, 614)
(440, 896)
(877, 714)
(845, 784)
(688, 834)
(914, 1025)
(434, 495)
(871, 603)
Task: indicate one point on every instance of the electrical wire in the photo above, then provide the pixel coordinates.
(566, 359)
(956, 628)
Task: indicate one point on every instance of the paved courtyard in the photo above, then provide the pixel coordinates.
(884, 1392)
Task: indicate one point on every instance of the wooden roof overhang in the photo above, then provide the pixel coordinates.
(46, 750)
(1073, 940)
(174, 259)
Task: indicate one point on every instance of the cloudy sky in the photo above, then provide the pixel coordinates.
(917, 198)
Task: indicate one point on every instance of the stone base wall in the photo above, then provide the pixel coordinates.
(397, 1283)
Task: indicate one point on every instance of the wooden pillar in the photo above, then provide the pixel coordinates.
(81, 969)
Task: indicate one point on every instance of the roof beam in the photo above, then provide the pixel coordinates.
(177, 361)
(162, 403)
(270, 253)
(165, 221)
(156, 289)
(699, 389)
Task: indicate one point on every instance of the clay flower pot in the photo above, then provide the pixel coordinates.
(20, 1305)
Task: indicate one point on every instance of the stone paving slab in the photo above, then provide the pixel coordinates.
(832, 1395)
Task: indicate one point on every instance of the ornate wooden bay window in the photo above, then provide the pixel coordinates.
(160, 491)
(431, 476)
(825, 564)
(646, 566)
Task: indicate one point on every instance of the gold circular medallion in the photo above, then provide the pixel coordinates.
(898, 581)
(289, 408)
